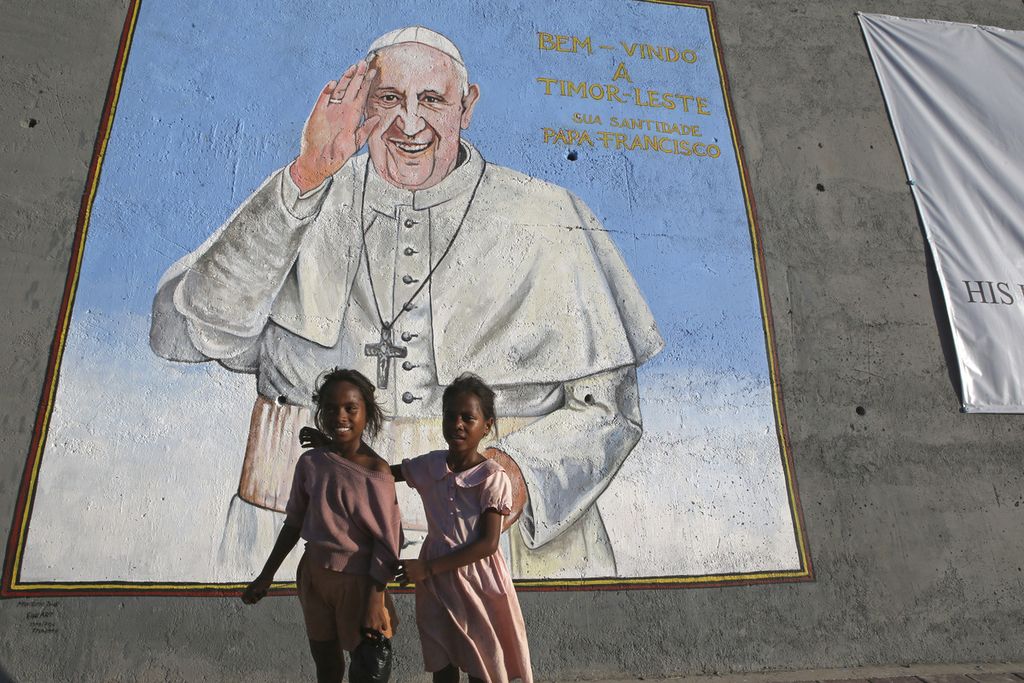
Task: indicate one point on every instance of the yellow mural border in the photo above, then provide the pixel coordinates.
(11, 585)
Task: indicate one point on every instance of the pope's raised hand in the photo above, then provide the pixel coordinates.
(335, 129)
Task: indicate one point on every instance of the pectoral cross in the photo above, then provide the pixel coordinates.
(385, 350)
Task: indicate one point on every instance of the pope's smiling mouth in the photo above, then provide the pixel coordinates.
(409, 147)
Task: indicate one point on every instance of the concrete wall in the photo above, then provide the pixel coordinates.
(912, 509)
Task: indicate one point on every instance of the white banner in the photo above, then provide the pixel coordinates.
(955, 94)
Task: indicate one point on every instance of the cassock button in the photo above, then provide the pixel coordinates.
(409, 251)
(408, 336)
(409, 279)
(410, 222)
(406, 365)
(407, 397)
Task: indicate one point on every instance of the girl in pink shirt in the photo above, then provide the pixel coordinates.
(466, 606)
(343, 503)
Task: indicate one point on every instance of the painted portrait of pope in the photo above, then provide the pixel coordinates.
(413, 262)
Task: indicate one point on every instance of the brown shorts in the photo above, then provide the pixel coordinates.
(334, 604)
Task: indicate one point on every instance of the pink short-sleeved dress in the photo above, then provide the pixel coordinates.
(470, 616)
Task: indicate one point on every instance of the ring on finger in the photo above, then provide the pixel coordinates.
(335, 100)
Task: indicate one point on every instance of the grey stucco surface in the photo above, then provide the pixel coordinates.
(913, 510)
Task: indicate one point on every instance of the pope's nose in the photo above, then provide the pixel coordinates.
(410, 119)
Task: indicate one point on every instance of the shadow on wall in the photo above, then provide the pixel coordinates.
(942, 325)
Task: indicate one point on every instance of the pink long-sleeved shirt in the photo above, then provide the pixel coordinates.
(347, 514)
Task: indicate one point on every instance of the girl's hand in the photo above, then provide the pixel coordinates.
(256, 590)
(414, 570)
(313, 438)
(377, 617)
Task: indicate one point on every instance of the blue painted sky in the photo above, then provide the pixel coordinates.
(214, 100)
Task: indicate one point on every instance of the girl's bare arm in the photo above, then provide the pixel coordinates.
(286, 540)
(484, 546)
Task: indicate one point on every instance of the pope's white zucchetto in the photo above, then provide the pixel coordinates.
(421, 35)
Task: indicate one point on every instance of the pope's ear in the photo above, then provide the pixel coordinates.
(469, 101)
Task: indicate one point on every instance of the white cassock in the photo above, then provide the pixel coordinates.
(531, 294)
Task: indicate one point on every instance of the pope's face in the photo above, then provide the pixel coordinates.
(418, 96)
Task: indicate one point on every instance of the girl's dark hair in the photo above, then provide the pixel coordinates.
(374, 413)
(468, 383)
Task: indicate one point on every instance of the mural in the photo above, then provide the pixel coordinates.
(552, 204)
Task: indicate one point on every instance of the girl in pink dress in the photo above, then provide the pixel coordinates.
(466, 607)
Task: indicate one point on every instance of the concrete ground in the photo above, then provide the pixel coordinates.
(1000, 672)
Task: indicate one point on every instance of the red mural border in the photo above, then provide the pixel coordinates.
(9, 582)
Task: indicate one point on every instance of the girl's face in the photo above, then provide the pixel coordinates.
(463, 422)
(343, 413)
